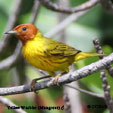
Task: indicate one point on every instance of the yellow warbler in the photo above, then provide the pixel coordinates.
(47, 54)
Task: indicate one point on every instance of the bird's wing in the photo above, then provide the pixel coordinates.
(56, 48)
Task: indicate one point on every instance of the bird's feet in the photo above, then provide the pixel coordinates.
(55, 79)
(32, 85)
(34, 81)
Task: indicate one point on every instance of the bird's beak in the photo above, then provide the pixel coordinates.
(11, 32)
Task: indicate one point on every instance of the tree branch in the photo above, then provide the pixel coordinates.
(7, 103)
(99, 50)
(106, 87)
(107, 97)
(65, 23)
(11, 60)
(67, 78)
(54, 7)
(87, 92)
(35, 11)
(67, 106)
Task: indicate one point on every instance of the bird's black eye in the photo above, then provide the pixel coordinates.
(24, 28)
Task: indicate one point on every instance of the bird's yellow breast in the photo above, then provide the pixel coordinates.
(34, 53)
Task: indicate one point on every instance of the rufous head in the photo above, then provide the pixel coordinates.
(24, 32)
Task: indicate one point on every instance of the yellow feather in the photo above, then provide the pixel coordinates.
(83, 55)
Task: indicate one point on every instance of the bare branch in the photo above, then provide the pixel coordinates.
(87, 92)
(54, 7)
(108, 6)
(67, 102)
(67, 78)
(11, 22)
(43, 73)
(106, 87)
(35, 11)
(99, 50)
(8, 62)
(65, 23)
(7, 103)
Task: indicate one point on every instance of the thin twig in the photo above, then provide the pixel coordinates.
(43, 73)
(11, 22)
(99, 50)
(87, 92)
(67, 78)
(9, 104)
(65, 23)
(11, 60)
(48, 4)
(106, 87)
(35, 11)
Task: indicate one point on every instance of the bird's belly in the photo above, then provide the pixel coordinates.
(48, 63)
(38, 62)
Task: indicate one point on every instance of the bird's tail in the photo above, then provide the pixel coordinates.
(83, 55)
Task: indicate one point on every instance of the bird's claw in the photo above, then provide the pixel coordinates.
(32, 86)
(34, 81)
(55, 79)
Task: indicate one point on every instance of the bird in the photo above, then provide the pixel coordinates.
(45, 53)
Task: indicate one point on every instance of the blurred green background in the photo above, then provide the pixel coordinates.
(96, 23)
